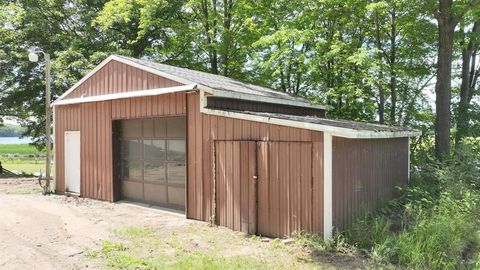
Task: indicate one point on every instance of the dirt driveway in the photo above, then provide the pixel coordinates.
(55, 232)
(58, 232)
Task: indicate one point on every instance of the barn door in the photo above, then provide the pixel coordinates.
(235, 181)
(284, 188)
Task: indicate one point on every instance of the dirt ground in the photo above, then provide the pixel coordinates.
(54, 232)
(59, 232)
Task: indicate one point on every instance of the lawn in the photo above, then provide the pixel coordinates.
(18, 149)
(202, 247)
(26, 165)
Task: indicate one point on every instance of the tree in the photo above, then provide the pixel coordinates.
(469, 75)
(447, 15)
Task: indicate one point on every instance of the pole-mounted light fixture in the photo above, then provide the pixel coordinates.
(33, 57)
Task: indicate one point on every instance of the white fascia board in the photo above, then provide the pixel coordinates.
(132, 64)
(259, 98)
(327, 187)
(133, 94)
(335, 131)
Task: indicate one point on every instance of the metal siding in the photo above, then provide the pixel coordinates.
(365, 173)
(94, 121)
(116, 77)
(204, 129)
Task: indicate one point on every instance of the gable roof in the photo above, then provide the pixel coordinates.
(217, 85)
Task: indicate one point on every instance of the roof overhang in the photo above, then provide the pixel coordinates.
(132, 64)
(132, 94)
(335, 131)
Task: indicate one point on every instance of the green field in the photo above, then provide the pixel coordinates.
(18, 149)
(21, 165)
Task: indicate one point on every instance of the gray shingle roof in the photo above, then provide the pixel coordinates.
(217, 82)
(359, 126)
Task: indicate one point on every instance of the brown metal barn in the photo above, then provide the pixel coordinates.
(250, 158)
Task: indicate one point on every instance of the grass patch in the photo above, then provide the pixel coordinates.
(19, 149)
(131, 232)
(26, 166)
(196, 246)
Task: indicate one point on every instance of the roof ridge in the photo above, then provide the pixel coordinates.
(205, 73)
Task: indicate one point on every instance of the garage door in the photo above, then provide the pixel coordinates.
(152, 155)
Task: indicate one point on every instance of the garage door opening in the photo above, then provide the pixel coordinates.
(151, 156)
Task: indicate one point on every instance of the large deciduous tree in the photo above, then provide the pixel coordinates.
(448, 16)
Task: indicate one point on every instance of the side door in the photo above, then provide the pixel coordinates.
(235, 185)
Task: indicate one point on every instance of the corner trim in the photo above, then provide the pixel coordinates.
(327, 187)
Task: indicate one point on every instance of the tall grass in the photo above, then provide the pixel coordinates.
(434, 224)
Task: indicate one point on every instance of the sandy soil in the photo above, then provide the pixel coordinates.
(56, 232)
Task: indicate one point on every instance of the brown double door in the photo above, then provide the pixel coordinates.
(263, 187)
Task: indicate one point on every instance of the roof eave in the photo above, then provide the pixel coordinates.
(335, 131)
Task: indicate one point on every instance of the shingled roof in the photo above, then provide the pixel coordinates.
(219, 83)
(341, 128)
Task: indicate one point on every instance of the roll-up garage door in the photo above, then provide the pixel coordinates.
(152, 156)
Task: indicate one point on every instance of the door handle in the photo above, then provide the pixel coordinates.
(255, 177)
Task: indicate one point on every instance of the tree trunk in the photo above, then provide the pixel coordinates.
(381, 90)
(443, 87)
(468, 61)
(393, 74)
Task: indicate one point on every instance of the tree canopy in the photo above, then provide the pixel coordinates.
(370, 60)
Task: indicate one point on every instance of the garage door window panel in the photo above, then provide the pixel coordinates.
(153, 161)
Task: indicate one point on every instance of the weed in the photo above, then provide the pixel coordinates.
(131, 232)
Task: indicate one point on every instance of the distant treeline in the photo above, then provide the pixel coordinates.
(11, 131)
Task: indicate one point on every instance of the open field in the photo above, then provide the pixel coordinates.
(58, 232)
(18, 149)
(23, 164)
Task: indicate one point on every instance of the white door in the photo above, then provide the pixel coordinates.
(72, 161)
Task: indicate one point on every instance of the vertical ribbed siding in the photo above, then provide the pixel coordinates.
(235, 185)
(285, 188)
(204, 129)
(365, 173)
(94, 121)
(116, 77)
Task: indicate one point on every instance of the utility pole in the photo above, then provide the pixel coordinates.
(33, 57)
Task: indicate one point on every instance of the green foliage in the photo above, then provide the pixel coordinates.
(343, 53)
(434, 224)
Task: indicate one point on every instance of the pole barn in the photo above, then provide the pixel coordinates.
(250, 158)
